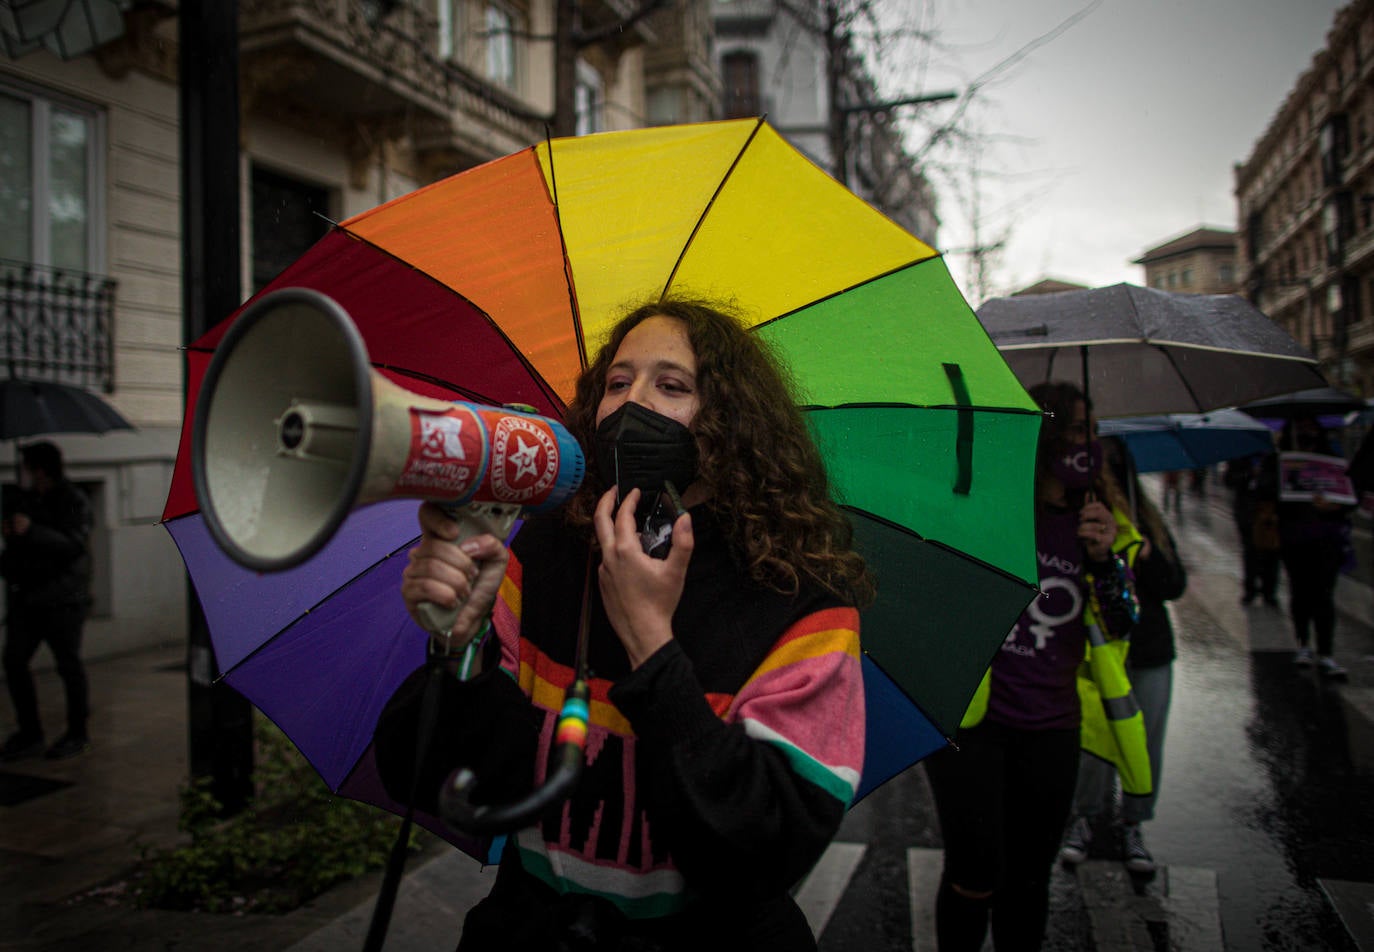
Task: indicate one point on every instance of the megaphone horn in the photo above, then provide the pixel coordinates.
(293, 429)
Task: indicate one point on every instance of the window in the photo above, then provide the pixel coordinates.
(500, 31)
(740, 71)
(49, 179)
(1334, 141)
(450, 15)
(588, 97)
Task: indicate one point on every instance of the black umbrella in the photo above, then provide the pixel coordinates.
(31, 407)
(1139, 351)
(1317, 401)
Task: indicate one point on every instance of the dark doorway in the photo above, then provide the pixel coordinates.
(288, 217)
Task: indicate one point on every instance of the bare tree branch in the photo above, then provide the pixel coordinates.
(997, 70)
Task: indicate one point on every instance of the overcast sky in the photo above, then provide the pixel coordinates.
(1117, 134)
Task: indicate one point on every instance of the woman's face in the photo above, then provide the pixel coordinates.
(655, 367)
(1080, 428)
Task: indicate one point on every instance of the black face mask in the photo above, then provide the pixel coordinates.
(636, 447)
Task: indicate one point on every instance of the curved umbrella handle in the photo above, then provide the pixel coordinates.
(455, 804)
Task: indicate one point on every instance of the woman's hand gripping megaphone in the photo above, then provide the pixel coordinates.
(455, 571)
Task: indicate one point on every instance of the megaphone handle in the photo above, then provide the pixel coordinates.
(473, 519)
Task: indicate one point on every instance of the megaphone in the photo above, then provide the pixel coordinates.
(293, 429)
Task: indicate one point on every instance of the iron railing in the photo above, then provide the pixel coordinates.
(56, 324)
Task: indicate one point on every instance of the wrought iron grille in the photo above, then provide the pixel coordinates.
(56, 324)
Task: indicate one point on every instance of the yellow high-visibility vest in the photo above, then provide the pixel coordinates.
(1113, 726)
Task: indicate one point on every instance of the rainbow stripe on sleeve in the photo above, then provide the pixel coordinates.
(807, 700)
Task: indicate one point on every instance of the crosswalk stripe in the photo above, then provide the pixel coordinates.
(1354, 903)
(1186, 909)
(820, 892)
(923, 879)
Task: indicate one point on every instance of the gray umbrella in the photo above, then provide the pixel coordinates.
(1145, 351)
(31, 407)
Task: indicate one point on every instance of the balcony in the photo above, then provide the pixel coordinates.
(313, 62)
(326, 56)
(56, 325)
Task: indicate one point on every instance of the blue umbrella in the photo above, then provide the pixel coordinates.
(1189, 440)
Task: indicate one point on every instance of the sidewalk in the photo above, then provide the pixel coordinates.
(67, 827)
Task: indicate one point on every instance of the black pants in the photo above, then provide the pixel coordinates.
(60, 628)
(1313, 570)
(1003, 798)
(1261, 569)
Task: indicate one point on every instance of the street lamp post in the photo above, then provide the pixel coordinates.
(220, 720)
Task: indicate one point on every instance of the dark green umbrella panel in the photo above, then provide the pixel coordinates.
(930, 442)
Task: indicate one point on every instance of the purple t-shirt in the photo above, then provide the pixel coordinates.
(1034, 683)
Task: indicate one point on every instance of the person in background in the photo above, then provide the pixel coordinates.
(1160, 577)
(1173, 493)
(1312, 543)
(1004, 789)
(47, 568)
(726, 723)
(1254, 507)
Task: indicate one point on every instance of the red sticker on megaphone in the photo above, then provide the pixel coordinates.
(447, 454)
(524, 459)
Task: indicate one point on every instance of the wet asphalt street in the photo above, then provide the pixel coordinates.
(1264, 833)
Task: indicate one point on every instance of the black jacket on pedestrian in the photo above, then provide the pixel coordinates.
(1158, 578)
(49, 566)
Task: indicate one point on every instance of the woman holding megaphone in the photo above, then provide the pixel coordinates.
(712, 585)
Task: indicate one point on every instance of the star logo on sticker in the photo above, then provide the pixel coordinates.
(525, 459)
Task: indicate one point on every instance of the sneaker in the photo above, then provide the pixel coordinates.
(1303, 657)
(1330, 667)
(1138, 858)
(68, 746)
(1077, 842)
(19, 746)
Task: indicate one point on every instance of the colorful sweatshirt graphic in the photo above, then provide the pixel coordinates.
(717, 771)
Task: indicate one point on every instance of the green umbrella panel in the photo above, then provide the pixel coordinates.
(930, 442)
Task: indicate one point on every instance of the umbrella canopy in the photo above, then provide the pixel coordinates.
(1187, 440)
(496, 284)
(1314, 401)
(1141, 351)
(34, 407)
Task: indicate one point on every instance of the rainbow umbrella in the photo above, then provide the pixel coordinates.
(495, 284)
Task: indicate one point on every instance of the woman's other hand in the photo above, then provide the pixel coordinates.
(640, 592)
(1096, 530)
(448, 573)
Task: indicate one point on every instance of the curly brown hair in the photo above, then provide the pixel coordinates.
(763, 473)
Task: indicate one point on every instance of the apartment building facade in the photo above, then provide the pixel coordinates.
(1305, 202)
(1202, 261)
(344, 104)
